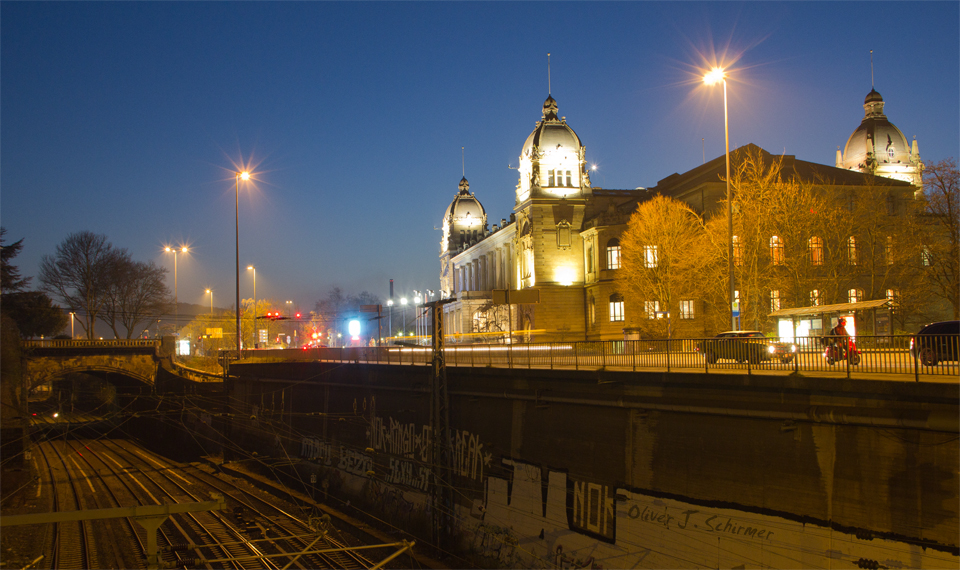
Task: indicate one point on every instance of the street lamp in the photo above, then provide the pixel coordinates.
(211, 301)
(714, 76)
(403, 301)
(390, 318)
(249, 267)
(71, 325)
(244, 176)
(176, 301)
(416, 314)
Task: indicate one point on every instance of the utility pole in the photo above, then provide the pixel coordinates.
(443, 502)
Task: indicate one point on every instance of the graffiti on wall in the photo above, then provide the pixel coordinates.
(412, 441)
(355, 462)
(591, 509)
(316, 450)
(401, 439)
(469, 459)
(408, 473)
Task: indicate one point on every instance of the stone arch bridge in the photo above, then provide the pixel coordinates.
(135, 361)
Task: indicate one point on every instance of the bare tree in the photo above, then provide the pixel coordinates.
(136, 291)
(79, 275)
(663, 251)
(940, 230)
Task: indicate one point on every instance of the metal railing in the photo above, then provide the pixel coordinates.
(887, 354)
(76, 343)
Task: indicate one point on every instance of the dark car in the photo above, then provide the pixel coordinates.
(936, 342)
(751, 346)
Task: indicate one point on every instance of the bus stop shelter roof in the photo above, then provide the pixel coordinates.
(824, 309)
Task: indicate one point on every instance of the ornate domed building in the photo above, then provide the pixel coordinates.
(879, 147)
(541, 274)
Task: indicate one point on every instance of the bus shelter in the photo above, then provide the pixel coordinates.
(871, 317)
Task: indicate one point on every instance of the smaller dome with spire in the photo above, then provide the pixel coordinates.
(465, 220)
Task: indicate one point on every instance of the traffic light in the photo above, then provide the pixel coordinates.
(298, 315)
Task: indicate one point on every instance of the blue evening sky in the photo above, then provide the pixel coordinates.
(128, 119)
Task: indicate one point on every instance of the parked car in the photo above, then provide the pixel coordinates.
(936, 342)
(744, 346)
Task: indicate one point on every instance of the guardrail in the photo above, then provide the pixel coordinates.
(877, 354)
(67, 343)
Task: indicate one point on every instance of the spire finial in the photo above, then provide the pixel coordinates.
(871, 70)
(549, 91)
(463, 162)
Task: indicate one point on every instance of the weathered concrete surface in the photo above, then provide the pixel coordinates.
(43, 365)
(565, 468)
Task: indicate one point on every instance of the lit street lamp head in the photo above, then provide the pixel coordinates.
(244, 175)
(714, 76)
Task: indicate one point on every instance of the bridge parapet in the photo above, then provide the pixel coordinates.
(68, 343)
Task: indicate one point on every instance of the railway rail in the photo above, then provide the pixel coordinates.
(255, 531)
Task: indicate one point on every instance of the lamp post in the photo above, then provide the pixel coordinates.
(390, 318)
(210, 291)
(416, 314)
(249, 267)
(176, 301)
(714, 76)
(403, 301)
(71, 325)
(245, 176)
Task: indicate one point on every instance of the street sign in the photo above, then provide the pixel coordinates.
(736, 308)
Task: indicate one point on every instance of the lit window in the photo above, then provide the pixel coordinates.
(737, 252)
(613, 254)
(854, 295)
(650, 256)
(616, 308)
(852, 250)
(926, 257)
(893, 296)
(686, 309)
(815, 298)
(650, 309)
(550, 179)
(776, 250)
(815, 245)
(775, 300)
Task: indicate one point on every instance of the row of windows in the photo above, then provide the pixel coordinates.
(651, 256)
(555, 178)
(651, 309)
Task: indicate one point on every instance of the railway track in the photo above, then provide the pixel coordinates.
(256, 531)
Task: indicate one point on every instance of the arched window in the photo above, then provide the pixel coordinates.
(616, 307)
(776, 250)
(651, 256)
(613, 254)
(815, 247)
(852, 250)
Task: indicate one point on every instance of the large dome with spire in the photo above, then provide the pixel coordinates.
(552, 157)
(879, 147)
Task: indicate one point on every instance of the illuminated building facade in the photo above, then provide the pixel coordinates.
(554, 247)
(560, 249)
